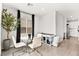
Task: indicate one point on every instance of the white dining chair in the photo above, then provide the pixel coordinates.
(17, 45)
(35, 43)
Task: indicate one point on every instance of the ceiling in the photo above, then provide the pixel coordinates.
(67, 9)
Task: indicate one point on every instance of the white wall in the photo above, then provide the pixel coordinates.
(36, 28)
(60, 24)
(47, 23)
(0, 26)
(53, 23)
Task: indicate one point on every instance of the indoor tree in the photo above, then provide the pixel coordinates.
(9, 23)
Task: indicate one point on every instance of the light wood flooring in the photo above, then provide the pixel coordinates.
(68, 47)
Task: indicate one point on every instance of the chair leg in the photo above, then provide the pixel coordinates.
(32, 50)
(36, 51)
(39, 53)
(25, 50)
(13, 53)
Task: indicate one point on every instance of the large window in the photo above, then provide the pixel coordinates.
(26, 25)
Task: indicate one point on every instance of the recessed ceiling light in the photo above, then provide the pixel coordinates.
(71, 16)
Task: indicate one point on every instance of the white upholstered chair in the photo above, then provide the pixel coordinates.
(35, 43)
(17, 45)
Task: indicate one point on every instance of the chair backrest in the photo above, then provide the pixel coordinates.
(14, 41)
(37, 41)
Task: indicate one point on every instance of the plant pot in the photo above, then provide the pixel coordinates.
(6, 44)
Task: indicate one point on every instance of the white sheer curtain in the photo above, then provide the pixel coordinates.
(26, 26)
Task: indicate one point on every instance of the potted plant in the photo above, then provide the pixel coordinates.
(9, 23)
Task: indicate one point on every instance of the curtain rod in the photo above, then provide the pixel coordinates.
(23, 11)
(26, 12)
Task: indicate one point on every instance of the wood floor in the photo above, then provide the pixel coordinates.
(68, 47)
